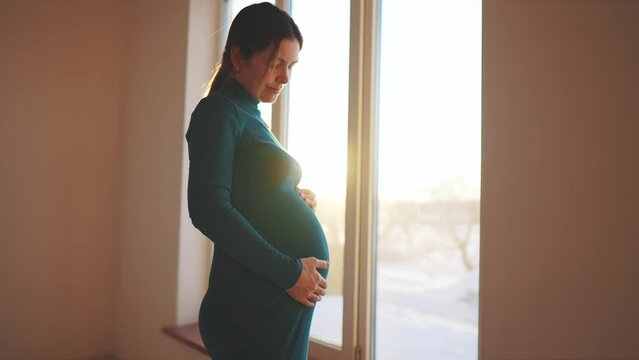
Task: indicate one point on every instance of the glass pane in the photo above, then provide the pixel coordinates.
(234, 7)
(318, 125)
(427, 239)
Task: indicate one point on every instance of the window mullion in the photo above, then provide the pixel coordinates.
(279, 116)
(361, 188)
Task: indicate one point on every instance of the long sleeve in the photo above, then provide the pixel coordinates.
(212, 138)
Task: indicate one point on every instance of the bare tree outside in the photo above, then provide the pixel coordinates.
(446, 221)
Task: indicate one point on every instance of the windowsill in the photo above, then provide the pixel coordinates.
(188, 334)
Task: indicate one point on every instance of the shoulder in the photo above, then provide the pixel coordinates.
(218, 109)
(214, 113)
(216, 105)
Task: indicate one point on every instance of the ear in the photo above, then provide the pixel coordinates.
(236, 59)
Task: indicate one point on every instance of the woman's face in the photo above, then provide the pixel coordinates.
(265, 73)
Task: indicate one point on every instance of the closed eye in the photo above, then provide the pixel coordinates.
(281, 61)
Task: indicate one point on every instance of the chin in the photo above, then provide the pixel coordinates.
(269, 99)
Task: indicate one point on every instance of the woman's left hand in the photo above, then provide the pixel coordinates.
(309, 197)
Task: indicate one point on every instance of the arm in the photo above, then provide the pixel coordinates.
(212, 136)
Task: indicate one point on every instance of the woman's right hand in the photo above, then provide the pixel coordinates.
(310, 286)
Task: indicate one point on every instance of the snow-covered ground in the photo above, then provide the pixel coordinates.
(423, 311)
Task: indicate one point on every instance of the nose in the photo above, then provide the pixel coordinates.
(284, 75)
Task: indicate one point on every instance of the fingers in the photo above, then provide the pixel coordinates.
(313, 262)
(321, 264)
(297, 296)
(323, 283)
(319, 291)
(312, 286)
(307, 193)
(310, 194)
(309, 197)
(306, 302)
(317, 294)
(312, 204)
(310, 300)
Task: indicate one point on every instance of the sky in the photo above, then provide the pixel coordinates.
(429, 103)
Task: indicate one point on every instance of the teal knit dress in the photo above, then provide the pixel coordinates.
(242, 196)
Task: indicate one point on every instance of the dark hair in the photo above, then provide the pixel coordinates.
(255, 28)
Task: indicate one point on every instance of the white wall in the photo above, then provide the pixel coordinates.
(559, 226)
(195, 250)
(92, 131)
(150, 214)
(61, 79)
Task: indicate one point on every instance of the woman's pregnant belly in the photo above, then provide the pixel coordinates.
(284, 219)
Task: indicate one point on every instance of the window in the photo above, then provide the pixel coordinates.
(383, 113)
(427, 228)
(317, 138)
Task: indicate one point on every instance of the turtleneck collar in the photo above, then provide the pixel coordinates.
(232, 89)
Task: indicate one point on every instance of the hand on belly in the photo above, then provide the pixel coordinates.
(310, 286)
(309, 197)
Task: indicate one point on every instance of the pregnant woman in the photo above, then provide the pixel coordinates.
(271, 258)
